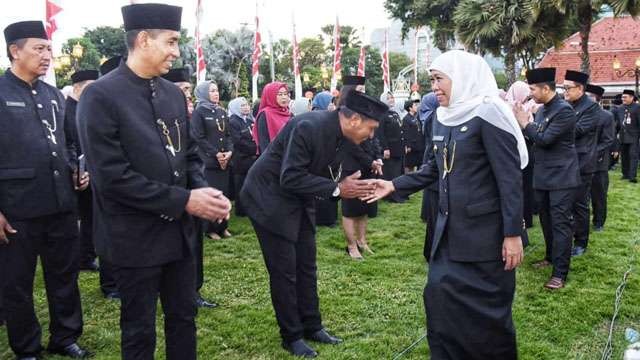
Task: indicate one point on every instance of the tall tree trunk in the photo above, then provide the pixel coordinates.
(584, 19)
(510, 66)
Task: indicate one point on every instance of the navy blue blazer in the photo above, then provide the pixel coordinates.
(587, 113)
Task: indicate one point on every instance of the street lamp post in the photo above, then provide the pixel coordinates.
(635, 71)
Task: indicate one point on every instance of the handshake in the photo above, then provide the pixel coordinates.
(209, 204)
(372, 190)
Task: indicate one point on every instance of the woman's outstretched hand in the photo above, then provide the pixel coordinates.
(383, 188)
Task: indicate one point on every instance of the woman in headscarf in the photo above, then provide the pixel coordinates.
(211, 131)
(412, 135)
(273, 114)
(300, 106)
(326, 210)
(478, 153)
(244, 148)
(366, 158)
(429, 213)
(518, 93)
(389, 133)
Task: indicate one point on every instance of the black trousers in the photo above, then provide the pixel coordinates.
(556, 218)
(599, 190)
(581, 212)
(85, 214)
(107, 278)
(199, 255)
(238, 181)
(292, 279)
(219, 179)
(3, 280)
(55, 239)
(629, 160)
(139, 289)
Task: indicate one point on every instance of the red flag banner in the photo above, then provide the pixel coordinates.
(201, 66)
(337, 54)
(257, 51)
(385, 64)
(52, 9)
(361, 62)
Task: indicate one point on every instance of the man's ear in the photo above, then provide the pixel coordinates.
(13, 50)
(143, 39)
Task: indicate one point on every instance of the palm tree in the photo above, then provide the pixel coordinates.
(585, 11)
(225, 52)
(498, 27)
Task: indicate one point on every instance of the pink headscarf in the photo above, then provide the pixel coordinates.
(518, 93)
(276, 116)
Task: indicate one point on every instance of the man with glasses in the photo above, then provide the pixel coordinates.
(586, 135)
(556, 173)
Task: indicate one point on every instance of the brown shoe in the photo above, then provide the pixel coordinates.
(541, 264)
(554, 283)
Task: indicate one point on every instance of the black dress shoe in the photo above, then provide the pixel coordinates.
(322, 336)
(114, 295)
(92, 266)
(73, 351)
(598, 228)
(577, 251)
(633, 180)
(200, 302)
(299, 348)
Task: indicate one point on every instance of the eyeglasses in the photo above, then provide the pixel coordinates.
(568, 87)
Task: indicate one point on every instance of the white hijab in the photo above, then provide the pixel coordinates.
(474, 92)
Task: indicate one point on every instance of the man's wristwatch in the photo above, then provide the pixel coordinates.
(336, 192)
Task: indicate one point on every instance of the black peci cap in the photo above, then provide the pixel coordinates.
(25, 30)
(151, 16)
(83, 75)
(541, 75)
(409, 103)
(353, 80)
(109, 65)
(177, 75)
(595, 90)
(629, 92)
(366, 105)
(576, 76)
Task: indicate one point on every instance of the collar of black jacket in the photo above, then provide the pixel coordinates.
(11, 76)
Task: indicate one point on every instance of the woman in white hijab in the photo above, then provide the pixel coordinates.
(478, 151)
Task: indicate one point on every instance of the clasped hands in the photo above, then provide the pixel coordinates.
(223, 159)
(370, 190)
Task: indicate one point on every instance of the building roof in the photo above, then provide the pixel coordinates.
(610, 37)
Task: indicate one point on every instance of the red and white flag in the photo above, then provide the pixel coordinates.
(255, 59)
(385, 64)
(52, 8)
(296, 64)
(337, 54)
(201, 66)
(361, 62)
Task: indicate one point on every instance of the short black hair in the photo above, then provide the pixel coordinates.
(131, 35)
(550, 84)
(17, 42)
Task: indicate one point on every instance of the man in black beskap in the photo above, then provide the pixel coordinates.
(628, 121)
(556, 173)
(604, 148)
(147, 185)
(79, 80)
(304, 163)
(586, 136)
(37, 200)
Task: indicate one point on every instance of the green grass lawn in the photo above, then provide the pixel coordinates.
(376, 305)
